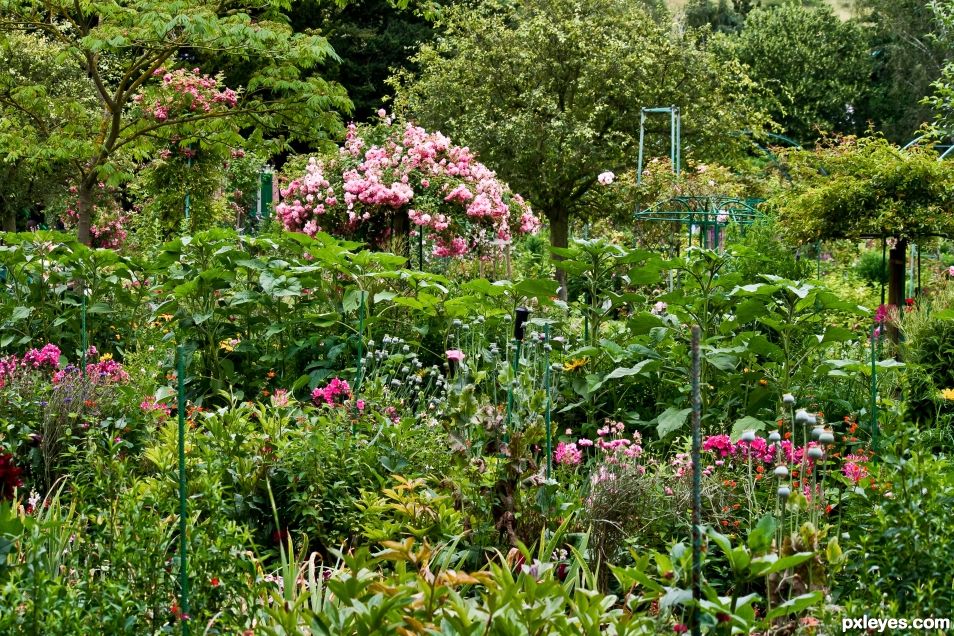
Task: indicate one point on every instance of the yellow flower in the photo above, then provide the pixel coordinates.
(573, 365)
(228, 344)
(947, 394)
(105, 357)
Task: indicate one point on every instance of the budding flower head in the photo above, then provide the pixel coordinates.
(781, 471)
(748, 436)
(804, 417)
(788, 399)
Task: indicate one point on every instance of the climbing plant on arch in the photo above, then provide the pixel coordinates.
(854, 188)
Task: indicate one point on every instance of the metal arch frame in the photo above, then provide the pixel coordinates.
(675, 137)
(948, 148)
(703, 211)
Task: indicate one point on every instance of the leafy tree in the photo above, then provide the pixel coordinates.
(549, 93)
(906, 58)
(868, 187)
(815, 65)
(35, 143)
(371, 37)
(942, 99)
(120, 46)
(721, 15)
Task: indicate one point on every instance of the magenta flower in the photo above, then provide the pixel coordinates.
(333, 394)
(567, 454)
(455, 355)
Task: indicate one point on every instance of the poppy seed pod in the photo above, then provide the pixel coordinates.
(826, 438)
(788, 399)
(804, 417)
(815, 452)
(748, 436)
(781, 471)
(784, 492)
(775, 437)
(816, 432)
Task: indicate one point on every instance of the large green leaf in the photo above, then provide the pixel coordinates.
(671, 420)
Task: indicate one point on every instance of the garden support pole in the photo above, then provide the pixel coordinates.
(546, 413)
(696, 479)
(360, 366)
(183, 560)
(84, 337)
(874, 390)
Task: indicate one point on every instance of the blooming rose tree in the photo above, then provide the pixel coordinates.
(390, 179)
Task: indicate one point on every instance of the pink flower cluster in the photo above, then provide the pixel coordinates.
(102, 372)
(333, 394)
(456, 201)
(35, 359)
(614, 449)
(109, 219)
(150, 405)
(758, 450)
(853, 468)
(184, 91)
(49, 356)
(567, 454)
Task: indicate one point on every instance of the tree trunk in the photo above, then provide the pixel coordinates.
(897, 271)
(8, 220)
(84, 212)
(559, 219)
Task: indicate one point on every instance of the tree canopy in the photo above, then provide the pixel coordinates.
(814, 65)
(549, 93)
(126, 48)
(866, 187)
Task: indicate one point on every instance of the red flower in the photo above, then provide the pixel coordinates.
(679, 628)
(214, 581)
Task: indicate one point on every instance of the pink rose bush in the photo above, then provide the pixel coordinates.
(109, 219)
(181, 92)
(389, 177)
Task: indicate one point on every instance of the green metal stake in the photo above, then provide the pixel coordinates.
(84, 338)
(874, 392)
(546, 413)
(360, 370)
(183, 560)
(696, 479)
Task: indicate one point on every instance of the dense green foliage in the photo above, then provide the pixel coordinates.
(550, 93)
(814, 66)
